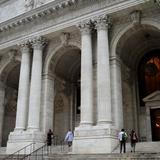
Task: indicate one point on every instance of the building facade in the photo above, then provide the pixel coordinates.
(89, 65)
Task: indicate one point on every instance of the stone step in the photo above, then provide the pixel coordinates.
(142, 147)
(113, 156)
(2, 150)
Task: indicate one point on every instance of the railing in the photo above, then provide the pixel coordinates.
(30, 152)
(44, 151)
(58, 144)
(38, 154)
(23, 151)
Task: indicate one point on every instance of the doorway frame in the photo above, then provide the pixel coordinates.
(152, 101)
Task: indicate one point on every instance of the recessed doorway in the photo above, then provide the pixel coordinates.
(155, 123)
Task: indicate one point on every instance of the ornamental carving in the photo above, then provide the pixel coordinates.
(58, 104)
(135, 17)
(38, 42)
(86, 26)
(29, 4)
(65, 38)
(102, 22)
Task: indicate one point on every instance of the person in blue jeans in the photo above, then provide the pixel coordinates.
(122, 136)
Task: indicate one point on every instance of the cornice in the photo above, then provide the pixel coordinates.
(52, 8)
(37, 13)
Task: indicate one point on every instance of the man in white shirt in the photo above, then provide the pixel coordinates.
(69, 138)
(122, 136)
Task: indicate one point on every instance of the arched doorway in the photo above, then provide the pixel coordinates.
(10, 100)
(149, 83)
(65, 65)
(133, 47)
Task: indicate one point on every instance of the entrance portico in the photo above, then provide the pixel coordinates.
(84, 65)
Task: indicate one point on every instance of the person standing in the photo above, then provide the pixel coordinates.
(133, 140)
(122, 136)
(49, 139)
(69, 138)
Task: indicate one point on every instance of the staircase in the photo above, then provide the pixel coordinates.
(144, 151)
(2, 152)
(113, 156)
(143, 147)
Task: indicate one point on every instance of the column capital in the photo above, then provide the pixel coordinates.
(85, 27)
(38, 42)
(102, 22)
(24, 46)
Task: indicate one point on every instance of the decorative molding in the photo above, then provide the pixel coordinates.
(102, 22)
(51, 8)
(40, 12)
(38, 42)
(65, 38)
(135, 17)
(12, 55)
(85, 26)
(29, 4)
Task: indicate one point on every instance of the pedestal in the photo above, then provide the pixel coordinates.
(94, 140)
(19, 139)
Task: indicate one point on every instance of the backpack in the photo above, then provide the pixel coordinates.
(124, 136)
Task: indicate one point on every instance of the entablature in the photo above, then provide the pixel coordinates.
(57, 15)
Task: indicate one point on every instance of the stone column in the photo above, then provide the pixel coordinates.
(47, 102)
(86, 76)
(35, 87)
(23, 91)
(116, 91)
(103, 72)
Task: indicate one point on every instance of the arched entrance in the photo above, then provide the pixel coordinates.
(10, 78)
(65, 66)
(136, 45)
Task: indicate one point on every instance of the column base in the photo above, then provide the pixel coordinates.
(98, 139)
(19, 139)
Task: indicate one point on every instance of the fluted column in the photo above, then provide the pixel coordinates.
(35, 87)
(116, 84)
(103, 72)
(23, 91)
(86, 76)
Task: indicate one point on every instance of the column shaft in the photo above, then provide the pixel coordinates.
(86, 77)
(103, 74)
(35, 88)
(116, 84)
(23, 91)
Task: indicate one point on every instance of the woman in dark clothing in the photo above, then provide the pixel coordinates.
(134, 140)
(49, 139)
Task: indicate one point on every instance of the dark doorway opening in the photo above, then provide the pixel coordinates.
(155, 124)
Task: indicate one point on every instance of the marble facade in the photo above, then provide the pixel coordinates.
(73, 64)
